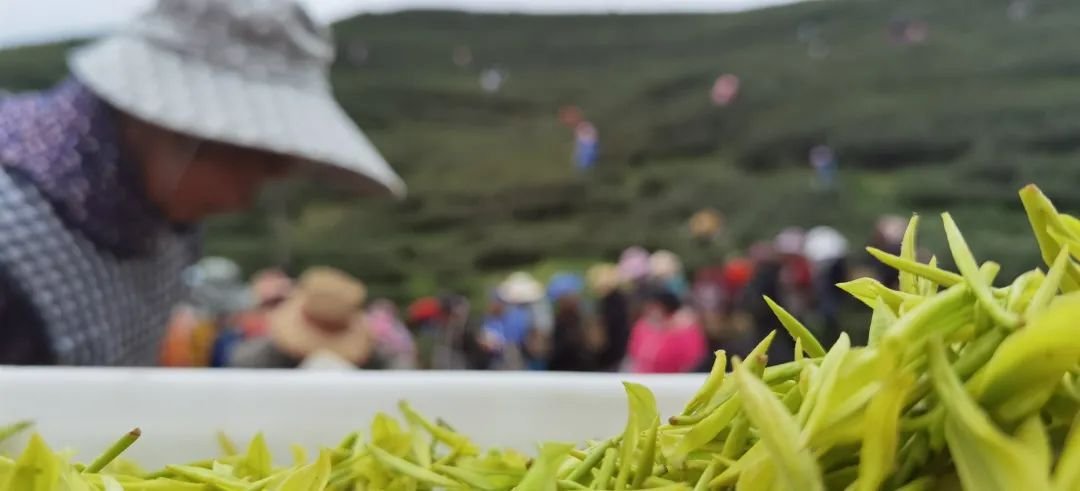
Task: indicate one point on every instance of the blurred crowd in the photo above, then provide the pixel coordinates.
(645, 313)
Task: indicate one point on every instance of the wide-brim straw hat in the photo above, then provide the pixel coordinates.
(251, 73)
(519, 288)
(603, 278)
(324, 297)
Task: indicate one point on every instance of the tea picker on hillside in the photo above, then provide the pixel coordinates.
(104, 178)
(823, 160)
(586, 146)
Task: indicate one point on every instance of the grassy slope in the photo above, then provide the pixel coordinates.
(959, 123)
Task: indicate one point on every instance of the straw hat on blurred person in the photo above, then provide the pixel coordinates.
(603, 279)
(665, 265)
(706, 224)
(520, 288)
(323, 315)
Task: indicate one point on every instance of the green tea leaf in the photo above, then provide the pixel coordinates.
(310, 477)
(228, 447)
(388, 435)
(927, 271)
(908, 249)
(1067, 472)
(1023, 289)
(37, 469)
(299, 454)
(1029, 364)
(798, 331)
(257, 463)
(759, 476)
(542, 475)
(454, 440)
(877, 458)
(965, 262)
(1043, 216)
(410, 469)
(1048, 287)
(986, 459)
(795, 465)
(939, 315)
(207, 476)
(643, 418)
(868, 290)
(925, 285)
(882, 319)
(711, 385)
(1032, 434)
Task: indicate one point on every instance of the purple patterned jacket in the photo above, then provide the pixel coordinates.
(64, 143)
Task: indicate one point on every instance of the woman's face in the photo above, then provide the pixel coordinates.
(224, 178)
(191, 180)
(220, 179)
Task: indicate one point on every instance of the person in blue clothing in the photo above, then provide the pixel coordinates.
(521, 319)
(823, 160)
(586, 146)
(506, 324)
(503, 334)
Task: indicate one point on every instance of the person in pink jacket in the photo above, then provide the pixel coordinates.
(667, 338)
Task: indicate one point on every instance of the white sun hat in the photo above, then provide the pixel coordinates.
(520, 288)
(825, 243)
(251, 73)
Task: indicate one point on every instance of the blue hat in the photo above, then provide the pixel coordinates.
(563, 284)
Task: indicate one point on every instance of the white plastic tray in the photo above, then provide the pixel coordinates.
(179, 411)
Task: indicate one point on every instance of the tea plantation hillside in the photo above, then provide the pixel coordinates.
(987, 103)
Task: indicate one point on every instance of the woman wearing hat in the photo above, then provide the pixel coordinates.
(184, 114)
(321, 320)
(613, 315)
(571, 349)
